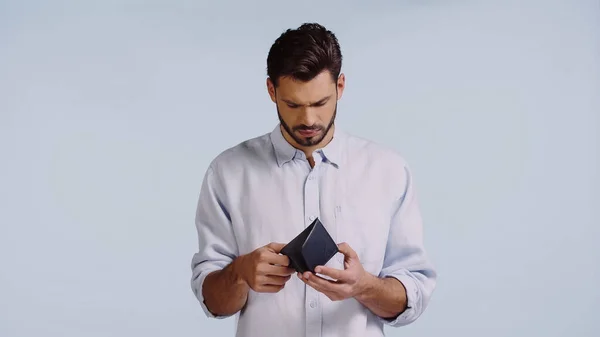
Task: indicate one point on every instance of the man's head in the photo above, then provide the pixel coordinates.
(305, 83)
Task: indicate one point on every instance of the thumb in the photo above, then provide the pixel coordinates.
(345, 249)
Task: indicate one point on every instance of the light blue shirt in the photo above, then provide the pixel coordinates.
(264, 190)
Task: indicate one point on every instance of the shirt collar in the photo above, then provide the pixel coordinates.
(285, 152)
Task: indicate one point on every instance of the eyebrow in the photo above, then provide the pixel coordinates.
(319, 102)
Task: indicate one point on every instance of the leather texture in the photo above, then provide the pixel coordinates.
(311, 248)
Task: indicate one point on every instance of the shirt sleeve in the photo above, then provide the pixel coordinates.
(405, 256)
(216, 240)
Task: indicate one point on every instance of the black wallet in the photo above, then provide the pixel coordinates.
(311, 248)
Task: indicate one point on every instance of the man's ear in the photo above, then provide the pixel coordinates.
(341, 84)
(271, 89)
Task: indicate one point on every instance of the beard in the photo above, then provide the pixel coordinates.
(308, 141)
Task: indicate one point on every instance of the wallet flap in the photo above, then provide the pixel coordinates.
(293, 250)
(319, 247)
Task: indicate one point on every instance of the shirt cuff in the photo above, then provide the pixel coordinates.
(411, 313)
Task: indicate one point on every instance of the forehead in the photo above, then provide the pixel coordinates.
(306, 92)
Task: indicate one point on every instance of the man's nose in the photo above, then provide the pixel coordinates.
(308, 116)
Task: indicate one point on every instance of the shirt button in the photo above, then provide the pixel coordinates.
(311, 218)
(313, 304)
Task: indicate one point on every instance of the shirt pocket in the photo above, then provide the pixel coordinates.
(365, 229)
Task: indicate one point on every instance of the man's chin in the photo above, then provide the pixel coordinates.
(309, 140)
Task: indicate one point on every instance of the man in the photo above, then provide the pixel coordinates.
(260, 194)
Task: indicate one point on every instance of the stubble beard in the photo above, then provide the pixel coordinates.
(308, 141)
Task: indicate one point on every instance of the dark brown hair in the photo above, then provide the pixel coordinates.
(303, 53)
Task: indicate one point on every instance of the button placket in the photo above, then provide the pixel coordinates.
(311, 211)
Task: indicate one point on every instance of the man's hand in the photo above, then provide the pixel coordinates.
(347, 283)
(265, 270)
(385, 297)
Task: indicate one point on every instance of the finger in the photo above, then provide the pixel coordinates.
(336, 274)
(347, 250)
(276, 259)
(269, 269)
(310, 284)
(276, 247)
(274, 280)
(320, 283)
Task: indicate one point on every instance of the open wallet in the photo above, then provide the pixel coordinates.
(311, 248)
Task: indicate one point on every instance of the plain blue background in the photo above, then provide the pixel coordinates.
(110, 112)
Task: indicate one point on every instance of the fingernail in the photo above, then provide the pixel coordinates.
(318, 269)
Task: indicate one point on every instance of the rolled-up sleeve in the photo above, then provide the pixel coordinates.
(216, 240)
(406, 258)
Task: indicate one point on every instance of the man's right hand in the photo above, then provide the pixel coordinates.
(264, 269)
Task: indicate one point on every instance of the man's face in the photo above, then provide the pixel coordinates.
(307, 110)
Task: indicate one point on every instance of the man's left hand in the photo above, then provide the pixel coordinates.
(347, 283)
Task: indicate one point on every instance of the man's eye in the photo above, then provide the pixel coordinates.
(292, 106)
